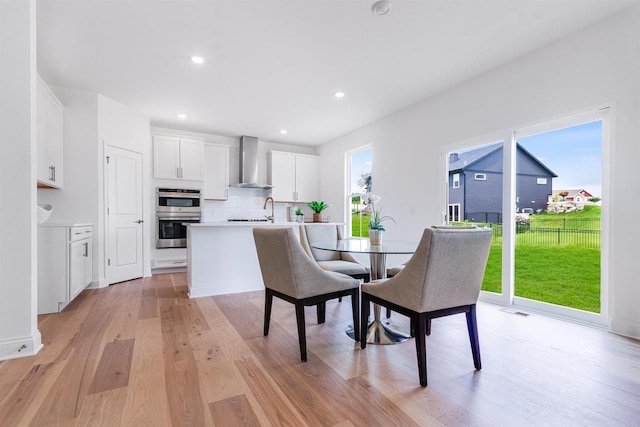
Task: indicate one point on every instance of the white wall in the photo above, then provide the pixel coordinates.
(120, 126)
(19, 335)
(596, 67)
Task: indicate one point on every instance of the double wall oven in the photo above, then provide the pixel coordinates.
(174, 208)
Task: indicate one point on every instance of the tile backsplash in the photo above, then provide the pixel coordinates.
(247, 203)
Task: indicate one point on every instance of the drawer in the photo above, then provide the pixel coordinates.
(79, 233)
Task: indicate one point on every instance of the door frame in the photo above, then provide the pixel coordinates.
(143, 196)
(509, 136)
(604, 115)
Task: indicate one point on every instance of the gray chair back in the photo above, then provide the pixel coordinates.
(286, 267)
(320, 233)
(445, 271)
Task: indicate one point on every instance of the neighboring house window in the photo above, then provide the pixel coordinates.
(454, 212)
(456, 180)
(480, 177)
(541, 181)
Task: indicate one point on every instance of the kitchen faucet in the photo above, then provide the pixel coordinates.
(272, 217)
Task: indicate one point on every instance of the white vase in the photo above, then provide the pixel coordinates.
(299, 218)
(375, 237)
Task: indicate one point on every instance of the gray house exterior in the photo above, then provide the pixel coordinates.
(475, 184)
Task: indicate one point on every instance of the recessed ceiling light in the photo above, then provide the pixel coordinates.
(283, 131)
(182, 116)
(381, 7)
(339, 94)
(197, 59)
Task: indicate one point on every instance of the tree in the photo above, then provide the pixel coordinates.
(355, 202)
(563, 194)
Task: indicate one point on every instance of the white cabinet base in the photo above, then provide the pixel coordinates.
(65, 264)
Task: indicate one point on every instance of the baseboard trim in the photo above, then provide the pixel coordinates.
(625, 328)
(20, 347)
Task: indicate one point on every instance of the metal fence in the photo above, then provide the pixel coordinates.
(487, 217)
(541, 221)
(527, 235)
(568, 223)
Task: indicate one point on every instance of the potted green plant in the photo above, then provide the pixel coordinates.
(317, 207)
(299, 215)
(376, 229)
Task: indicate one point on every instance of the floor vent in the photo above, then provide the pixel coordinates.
(511, 311)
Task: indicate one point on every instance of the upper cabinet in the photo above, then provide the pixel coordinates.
(294, 177)
(216, 172)
(49, 134)
(177, 158)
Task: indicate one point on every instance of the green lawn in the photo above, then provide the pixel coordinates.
(360, 225)
(565, 275)
(586, 219)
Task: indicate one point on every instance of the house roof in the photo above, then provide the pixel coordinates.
(467, 159)
(572, 193)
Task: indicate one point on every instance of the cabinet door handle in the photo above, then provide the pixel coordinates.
(139, 221)
(86, 249)
(51, 173)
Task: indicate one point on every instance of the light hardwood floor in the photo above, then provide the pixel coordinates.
(141, 353)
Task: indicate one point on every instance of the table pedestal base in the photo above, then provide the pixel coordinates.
(380, 333)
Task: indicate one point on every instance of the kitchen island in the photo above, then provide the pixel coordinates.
(222, 257)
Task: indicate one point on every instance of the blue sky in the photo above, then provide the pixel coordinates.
(360, 163)
(574, 154)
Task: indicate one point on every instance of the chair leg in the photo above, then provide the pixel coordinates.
(388, 312)
(364, 320)
(339, 299)
(268, 302)
(302, 337)
(428, 326)
(419, 322)
(355, 312)
(321, 309)
(472, 326)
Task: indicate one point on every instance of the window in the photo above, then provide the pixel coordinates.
(480, 177)
(454, 212)
(359, 181)
(541, 181)
(456, 180)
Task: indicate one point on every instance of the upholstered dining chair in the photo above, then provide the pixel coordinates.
(338, 262)
(289, 274)
(443, 277)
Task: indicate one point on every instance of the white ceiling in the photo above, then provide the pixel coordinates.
(274, 64)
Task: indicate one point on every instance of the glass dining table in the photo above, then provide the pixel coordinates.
(378, 331)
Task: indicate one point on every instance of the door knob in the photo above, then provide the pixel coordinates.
(139, 221)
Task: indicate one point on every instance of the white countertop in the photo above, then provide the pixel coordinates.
(255, 224)
(65, 224)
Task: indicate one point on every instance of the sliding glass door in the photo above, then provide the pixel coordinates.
(543, 191)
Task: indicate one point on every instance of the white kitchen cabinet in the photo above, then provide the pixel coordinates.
(49, 118)
(65, 264)
(294, 177)
(177, 158)
(216, 172)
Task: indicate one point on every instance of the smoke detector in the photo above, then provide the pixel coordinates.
(381, 7)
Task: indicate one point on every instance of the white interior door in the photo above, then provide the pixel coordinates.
(124, 215)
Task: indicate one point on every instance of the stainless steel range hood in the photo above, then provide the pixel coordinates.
(249, 163)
